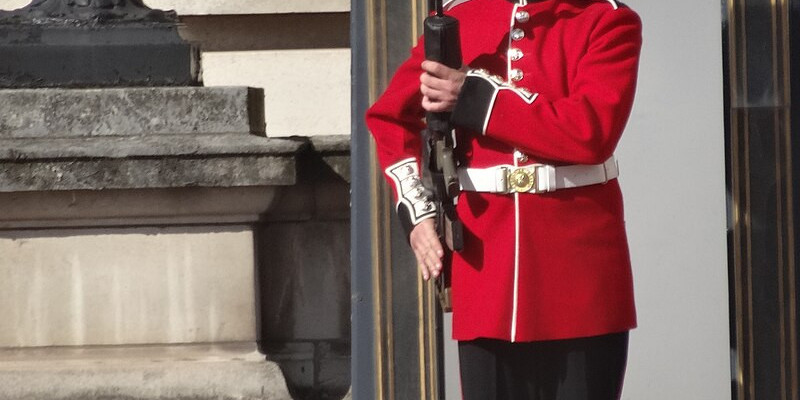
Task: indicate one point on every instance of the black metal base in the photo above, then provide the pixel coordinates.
(52, 55)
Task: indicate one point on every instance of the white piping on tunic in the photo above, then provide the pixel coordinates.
(452, 3)
(613, 4)
(515, 308)
(489, 114)
(499, 86)
(510, 43)
(515, 305)
(527, 97)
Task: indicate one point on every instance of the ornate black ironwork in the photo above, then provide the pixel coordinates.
(87, 12)
(94, 43)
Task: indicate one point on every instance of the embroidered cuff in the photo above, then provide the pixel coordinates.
(413, 202)
(476, 100)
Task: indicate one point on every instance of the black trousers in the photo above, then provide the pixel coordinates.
(573, 369)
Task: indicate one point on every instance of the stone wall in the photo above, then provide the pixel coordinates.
(298, 51)
(305, 274)
(124, 286)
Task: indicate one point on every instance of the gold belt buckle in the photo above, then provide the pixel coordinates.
(522, 179)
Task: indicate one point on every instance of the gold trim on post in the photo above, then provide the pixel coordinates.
(428, 371)
(376, 39)
(432, 348)
(423, 377)
(739, 183)
(421, 284)
(377, 273)
(387, 296)
(428, 355)
(415, 23)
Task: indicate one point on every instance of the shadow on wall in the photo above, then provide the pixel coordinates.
(304, 260)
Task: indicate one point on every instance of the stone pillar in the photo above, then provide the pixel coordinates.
(128, 231)
(127, 245)
(305, 279)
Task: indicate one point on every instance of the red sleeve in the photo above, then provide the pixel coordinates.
(582, 128)
(395, 121)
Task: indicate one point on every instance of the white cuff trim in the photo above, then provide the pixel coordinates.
(410, 192)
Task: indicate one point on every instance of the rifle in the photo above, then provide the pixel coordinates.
(439, 176)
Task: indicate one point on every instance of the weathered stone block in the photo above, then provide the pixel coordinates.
(57, 113)
(305, 280)
(334, 151)
(230, 372)
(334, 368)
(313, 370)
(127, 286)
(136, 207)
(87, 59)
(296, 360)
(145, 173)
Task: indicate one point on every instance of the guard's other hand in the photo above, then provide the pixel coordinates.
(440, 86)
(427, 249)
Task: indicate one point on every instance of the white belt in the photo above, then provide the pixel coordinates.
(535, 178)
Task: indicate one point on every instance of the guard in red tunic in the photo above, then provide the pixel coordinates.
(542, 292)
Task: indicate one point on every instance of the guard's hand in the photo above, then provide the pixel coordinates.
(427, 249)
(440, 86)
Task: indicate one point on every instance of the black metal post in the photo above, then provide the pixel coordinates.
(794, 23)
(394, 353)
(363, 357)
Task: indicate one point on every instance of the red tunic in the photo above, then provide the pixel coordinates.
(535, 266)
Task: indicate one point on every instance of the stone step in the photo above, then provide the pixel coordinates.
(147, 162)
(18, 150)
(198, 372)
(51, 113)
